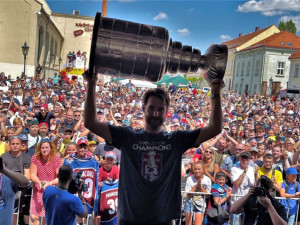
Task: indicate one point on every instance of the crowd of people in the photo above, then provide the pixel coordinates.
(42, 128)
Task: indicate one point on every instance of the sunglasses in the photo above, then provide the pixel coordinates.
(76, 115)
(45, 140)
(240, 149)
(208, 152)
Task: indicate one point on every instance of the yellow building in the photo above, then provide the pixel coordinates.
(49, 36)
(240, 43)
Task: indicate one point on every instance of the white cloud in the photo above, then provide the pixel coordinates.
(161, 16)
(191, 9)
(296, 20)
(225, 37)
(270, 7)
(184, 32)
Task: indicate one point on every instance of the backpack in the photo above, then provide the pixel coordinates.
(287, 186)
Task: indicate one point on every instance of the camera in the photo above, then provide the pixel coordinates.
(260, 192)
(77, 183)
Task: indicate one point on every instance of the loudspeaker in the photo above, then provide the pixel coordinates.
(137, 51)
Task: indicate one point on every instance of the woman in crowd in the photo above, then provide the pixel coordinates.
(209, 166)
(198, 182)
(71, 148)
(261, 150)
(43, 169)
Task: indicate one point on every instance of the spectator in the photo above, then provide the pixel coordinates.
(242, 178)
(198, 182)
(61, 207)
(209, 166)
(220, 193)
(290, 189)
(267, 170)
(260, 210)
(109, 171)
(44, 169)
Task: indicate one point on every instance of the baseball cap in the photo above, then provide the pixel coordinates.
(226, 127)
(245, 154)
(23, 137)
(44, 105)
(220, 174)
(44, 124)
(100, 111)
(117, 115)
(239, 118)
(139, 116)
(110, 154)
(169, 115)
(253, 149)
(82, 141)
(67, 128)
(289, 131)
(34, 122)
(5, 100)
(291, 171)
(92, 143)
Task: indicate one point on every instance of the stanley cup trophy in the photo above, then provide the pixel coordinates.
(136, 51)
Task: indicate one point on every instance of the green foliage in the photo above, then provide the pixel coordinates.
(288, 25)
(192, 79)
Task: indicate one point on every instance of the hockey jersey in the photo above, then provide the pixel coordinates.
(90, 168)
(109, 203)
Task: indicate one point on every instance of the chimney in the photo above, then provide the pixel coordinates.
(256, 29)
(76, 12)
(240, 34)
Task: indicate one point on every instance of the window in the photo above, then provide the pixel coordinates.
(280, 68)
(236, 87)
(238, 70)
(296, 73)
(243, 69)
(248, 68)
(257, 65)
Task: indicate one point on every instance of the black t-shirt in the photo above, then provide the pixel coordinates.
(256, 212)
(150, 173)
(46, 119)
(14, 163)
(103, 148)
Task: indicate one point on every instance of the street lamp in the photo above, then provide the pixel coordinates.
(59, 62)
(25, 50)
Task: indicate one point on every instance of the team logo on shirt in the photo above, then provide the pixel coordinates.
(69, 160)
(151, 166)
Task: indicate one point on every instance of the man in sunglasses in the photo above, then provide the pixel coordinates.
(44, 115)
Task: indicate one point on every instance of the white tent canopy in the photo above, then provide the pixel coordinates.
(139, 83)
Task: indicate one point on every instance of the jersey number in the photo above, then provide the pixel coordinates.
(89, 183)
(113, 204)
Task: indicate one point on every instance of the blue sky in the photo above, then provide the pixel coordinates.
(196, 22)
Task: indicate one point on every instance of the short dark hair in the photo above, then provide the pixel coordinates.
(268, 156)
(157, 92)
(266, 182)
(65, 172)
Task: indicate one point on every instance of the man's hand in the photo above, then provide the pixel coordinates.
(264, 201)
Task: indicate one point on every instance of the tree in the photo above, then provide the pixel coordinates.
(288, 25)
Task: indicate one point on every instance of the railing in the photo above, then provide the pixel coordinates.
(235, 195)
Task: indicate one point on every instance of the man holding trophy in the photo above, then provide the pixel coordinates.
(149, 188)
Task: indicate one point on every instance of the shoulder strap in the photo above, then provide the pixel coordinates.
(286, 186)
(273, 172)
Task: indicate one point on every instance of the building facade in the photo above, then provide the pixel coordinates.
(240, 43)
(49, 35)
(264, 67)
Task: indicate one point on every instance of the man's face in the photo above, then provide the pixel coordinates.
(260, 133)
(70, 116)
(33, 130)
(77, 116)
(82, 150)
(24, 146)
(239, 148)
(67, 135)
(15, 145)
(244, 162)
(155, 113)
(43, 111)
(221, 144)
(43, 130)
(268, 163)
(276, 152)
(253, 143)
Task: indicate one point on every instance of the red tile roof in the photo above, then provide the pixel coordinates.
(295, 55)
(234, 43)
(284, 39)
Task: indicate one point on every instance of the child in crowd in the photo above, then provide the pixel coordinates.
(220, 193)
(197, 182)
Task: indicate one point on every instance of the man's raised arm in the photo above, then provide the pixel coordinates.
(90, 118)
(214, 126)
